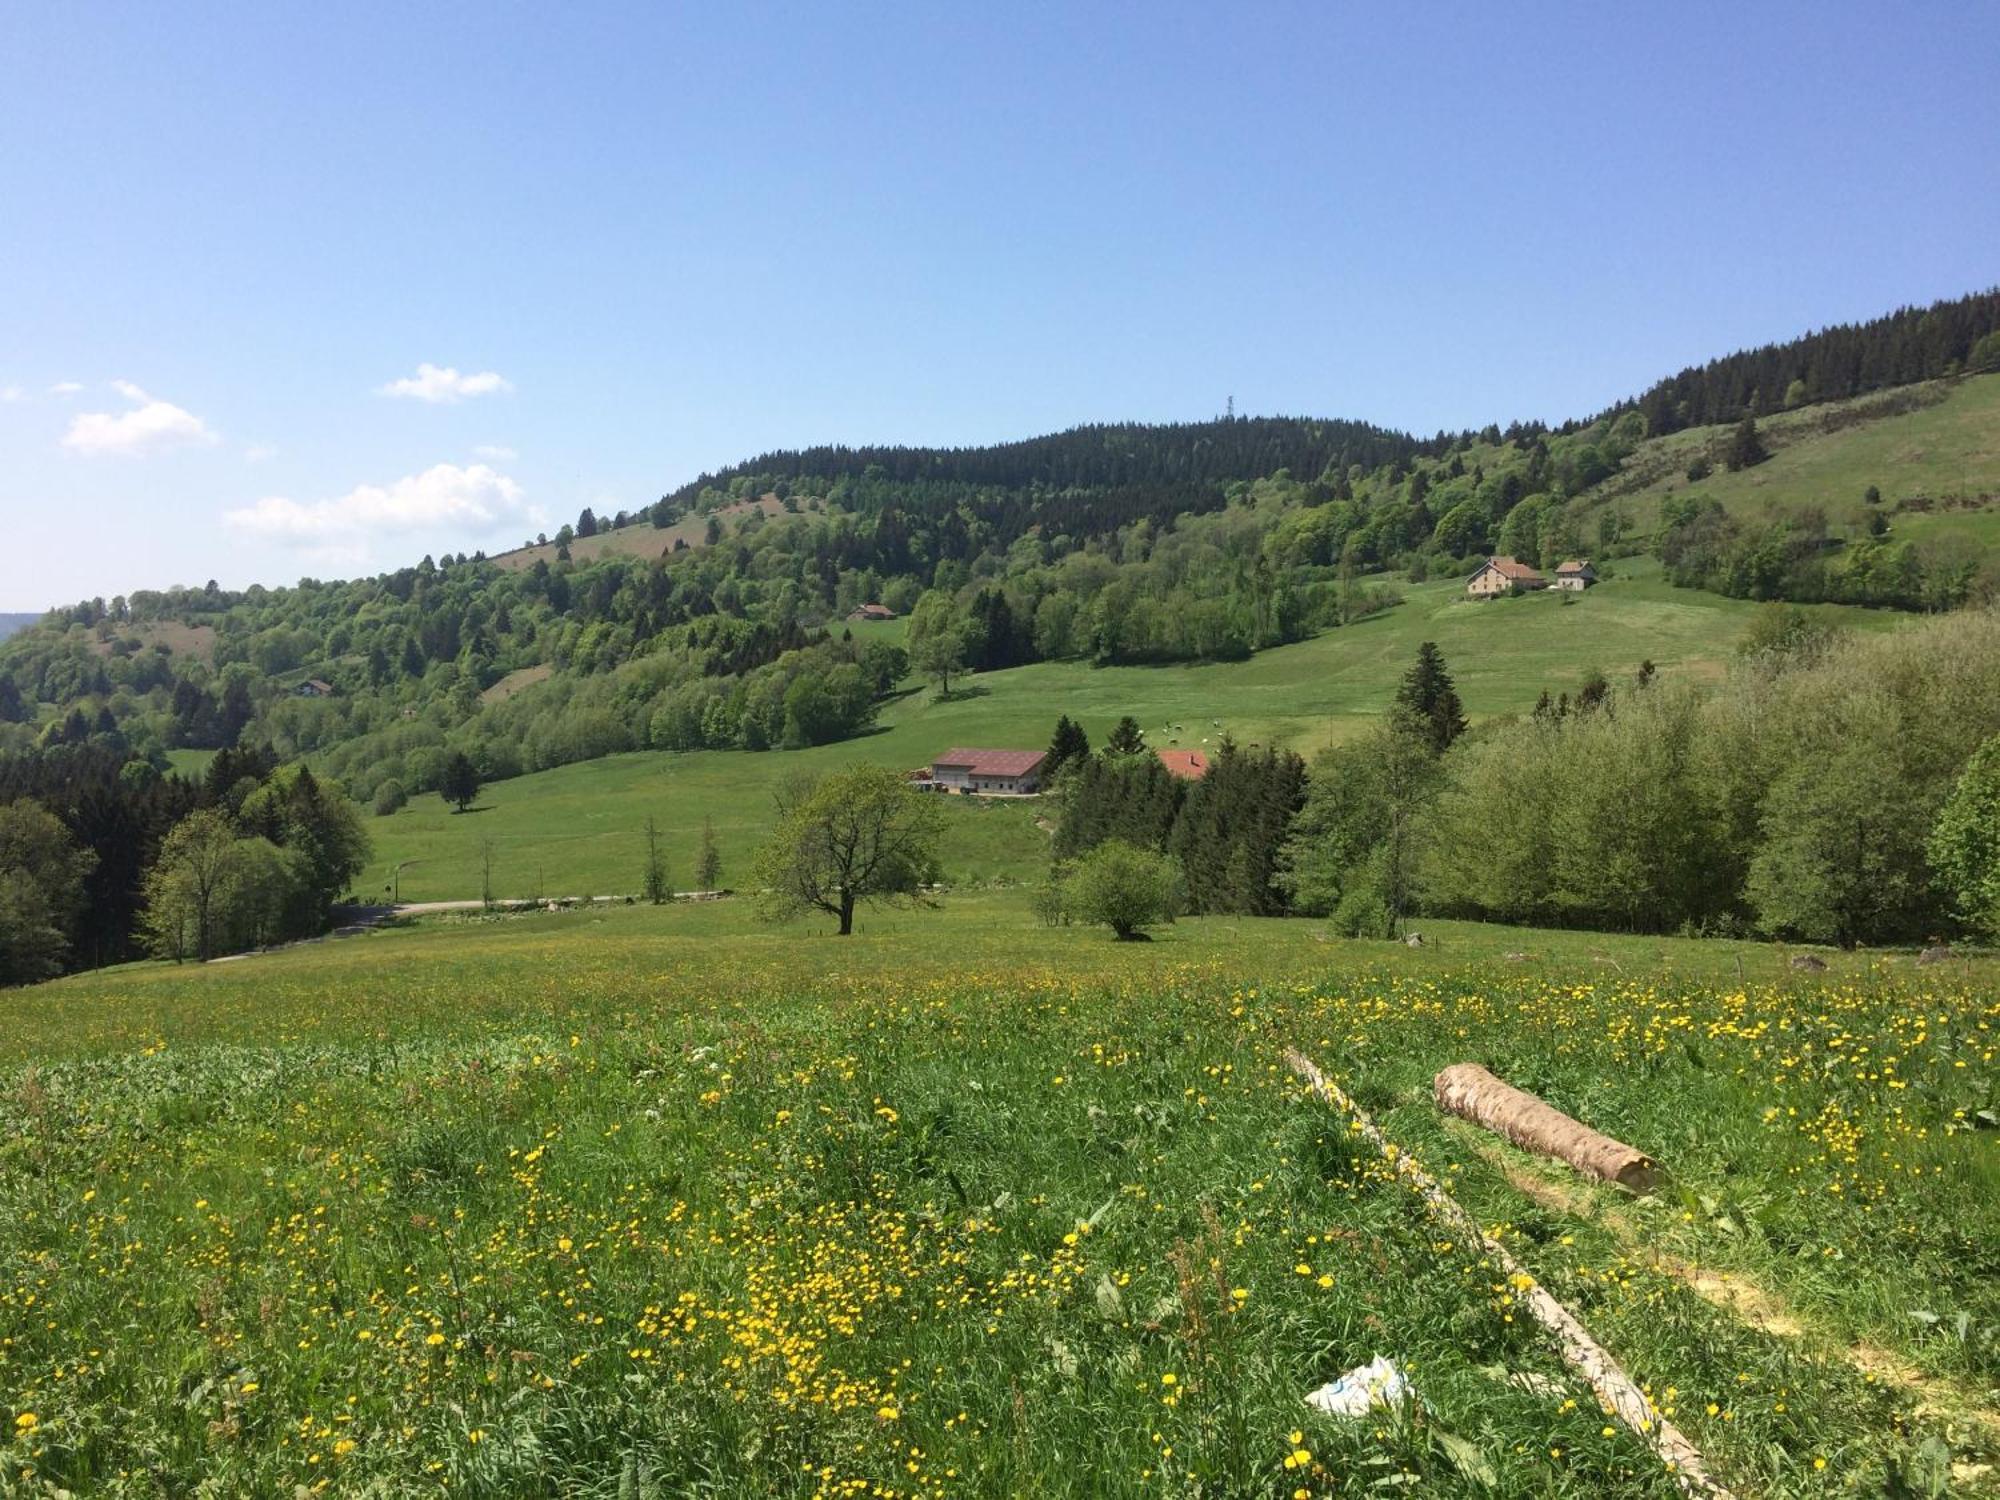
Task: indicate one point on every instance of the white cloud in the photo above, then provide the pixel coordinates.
(12, 393)
(498, 452)
(65, 388)
(434, 384)
(444, 495)
(258, 453)
(151, 425)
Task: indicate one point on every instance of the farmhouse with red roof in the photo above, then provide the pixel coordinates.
(1503, 575)
(1007, 772)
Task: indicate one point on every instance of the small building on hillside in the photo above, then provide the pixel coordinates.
(313, 687)
(1576, 575)
(1189, 765)
(1007, 773)
(871, 612)
(1503, 575)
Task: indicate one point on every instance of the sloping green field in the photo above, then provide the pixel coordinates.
(1943, 453)
(656, 1202)
(577, 830)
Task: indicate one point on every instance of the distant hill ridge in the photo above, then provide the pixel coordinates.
(717, 618)
(11, 623)
(1906, 346)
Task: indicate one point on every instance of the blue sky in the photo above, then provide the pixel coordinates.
(670, 237)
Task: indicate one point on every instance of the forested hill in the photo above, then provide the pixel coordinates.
(11, 623)
(1849, 359)
(718, 620)
(1122, 458)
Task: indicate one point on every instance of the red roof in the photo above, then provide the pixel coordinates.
(1575, 566)
(1508, 567)
(1189, 765)
(993, 762)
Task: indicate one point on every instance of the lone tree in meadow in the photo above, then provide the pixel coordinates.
(460, 782)
(1428, 702)
(1123, 887)
(855, 836)
(658, 889)
(708, 862)
(940, 637)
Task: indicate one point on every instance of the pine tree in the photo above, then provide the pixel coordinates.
(1429, 702)
(1127, 738)
(708, 863)
(1746, 445)
(658, 889)
(1594, 692)
(1069, 746)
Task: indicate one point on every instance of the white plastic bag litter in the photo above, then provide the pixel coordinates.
(1377, 1383)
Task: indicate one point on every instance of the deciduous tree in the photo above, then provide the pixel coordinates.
(42, 873)
(1965, 844)
(940, 637)
(853, 837)
(460, 782)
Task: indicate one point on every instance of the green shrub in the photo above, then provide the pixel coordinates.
(1125, 888)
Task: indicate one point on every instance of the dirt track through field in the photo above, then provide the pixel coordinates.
(1740, 1296)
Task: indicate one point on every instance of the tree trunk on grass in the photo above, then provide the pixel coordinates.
(1472, 1092)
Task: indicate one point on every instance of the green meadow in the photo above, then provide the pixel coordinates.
(1944, 453)
(661, 1201)
(577, 830)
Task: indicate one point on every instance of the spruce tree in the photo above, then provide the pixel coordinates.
(1127, 738)
(1746, 445)
(1069, 746)
(658, 889)
(1429, 702)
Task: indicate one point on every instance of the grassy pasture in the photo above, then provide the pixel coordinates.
(190, 763)
(643, 539)
(1944, 452)
(576, 830)
(660, 1202)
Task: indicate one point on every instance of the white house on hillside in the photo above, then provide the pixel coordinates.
(1503, 575)
(1576, 575)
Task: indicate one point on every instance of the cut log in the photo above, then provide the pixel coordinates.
(1468, 1090)
(1616, 1391)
